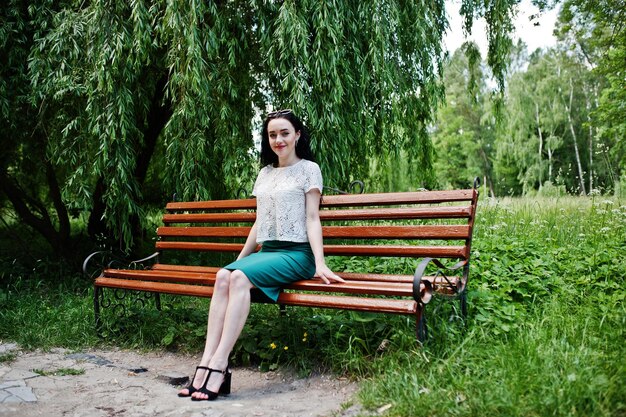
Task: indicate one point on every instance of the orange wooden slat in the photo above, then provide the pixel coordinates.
(397, 232)
(356, 283)
(355, 287)
(377, 305)
(361, 276)
(160, 275)
(209, 217)
(187, 268)
(397, 213)
(151, 286)
(200, 246)
(198, 231)
(249, 203)
(439, 283)
(457, 252)
(387, 199)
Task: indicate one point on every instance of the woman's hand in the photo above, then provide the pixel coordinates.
(326, 275)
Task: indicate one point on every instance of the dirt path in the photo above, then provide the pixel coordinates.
(125, 383)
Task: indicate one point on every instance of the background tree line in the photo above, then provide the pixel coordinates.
(563, 113)
(109, 107)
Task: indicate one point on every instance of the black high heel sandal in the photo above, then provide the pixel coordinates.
(224, 388)
(191, 389)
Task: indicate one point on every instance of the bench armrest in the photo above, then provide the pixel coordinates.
(139, 262)
(421, 268)
(95, 263)
(422, 291)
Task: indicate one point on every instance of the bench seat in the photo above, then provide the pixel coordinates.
(432, 227)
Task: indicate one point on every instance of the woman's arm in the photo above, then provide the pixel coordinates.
(314, 232)
(250, 244)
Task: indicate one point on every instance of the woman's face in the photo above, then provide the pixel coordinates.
(282, 137)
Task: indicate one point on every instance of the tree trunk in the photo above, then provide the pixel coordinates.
(540, 134)
(157, 118)
(487, 178)
(34, 214)
(57, 201)
(568, 108)
(550, 164)
(96, 227)
(590, 133)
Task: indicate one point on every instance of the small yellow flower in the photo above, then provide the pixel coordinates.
(286, 347)
(273, 345)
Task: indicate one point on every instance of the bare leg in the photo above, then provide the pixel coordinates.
(215, 324)
(234, 320)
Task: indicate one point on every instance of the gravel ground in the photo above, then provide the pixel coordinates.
(127, 383)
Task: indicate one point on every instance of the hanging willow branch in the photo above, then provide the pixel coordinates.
(365, 76)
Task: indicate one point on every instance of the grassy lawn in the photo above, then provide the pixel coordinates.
(544, 336)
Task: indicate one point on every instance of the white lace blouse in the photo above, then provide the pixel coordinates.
(280, 193)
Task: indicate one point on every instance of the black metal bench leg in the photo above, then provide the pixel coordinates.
(421, 329)
(96, 309)
(463, 304)
(283, 309)
(157, 300)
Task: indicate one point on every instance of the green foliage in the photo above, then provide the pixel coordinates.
(499, 18)
(547, 136)
(620, 187)
(59, 372)
(560, 120)
(7, 358)
(127, 102)
(464, 133)
(593, 32)
(546, 322)
(40, 314)
(558, 361)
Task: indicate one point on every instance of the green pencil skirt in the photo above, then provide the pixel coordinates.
(277, 264)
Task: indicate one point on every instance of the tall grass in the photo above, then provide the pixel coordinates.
(544, 335)
(546, 329)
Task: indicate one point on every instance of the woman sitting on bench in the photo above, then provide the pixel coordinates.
(288, 191)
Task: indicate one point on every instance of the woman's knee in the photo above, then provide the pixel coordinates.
(239, 281)
(222, 280)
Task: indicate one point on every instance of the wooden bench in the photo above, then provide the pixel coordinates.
(432, 227)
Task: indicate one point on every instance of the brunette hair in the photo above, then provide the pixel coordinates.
(303, 147)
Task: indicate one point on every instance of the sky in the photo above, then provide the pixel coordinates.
(534, 36)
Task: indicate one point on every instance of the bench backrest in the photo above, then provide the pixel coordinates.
(419, 224)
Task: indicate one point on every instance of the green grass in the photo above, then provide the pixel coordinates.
(7, 358)
(59, 372)
(544, 335)
(546, 329)
(562, 360)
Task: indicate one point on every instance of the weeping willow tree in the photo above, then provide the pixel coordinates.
(107, 83)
